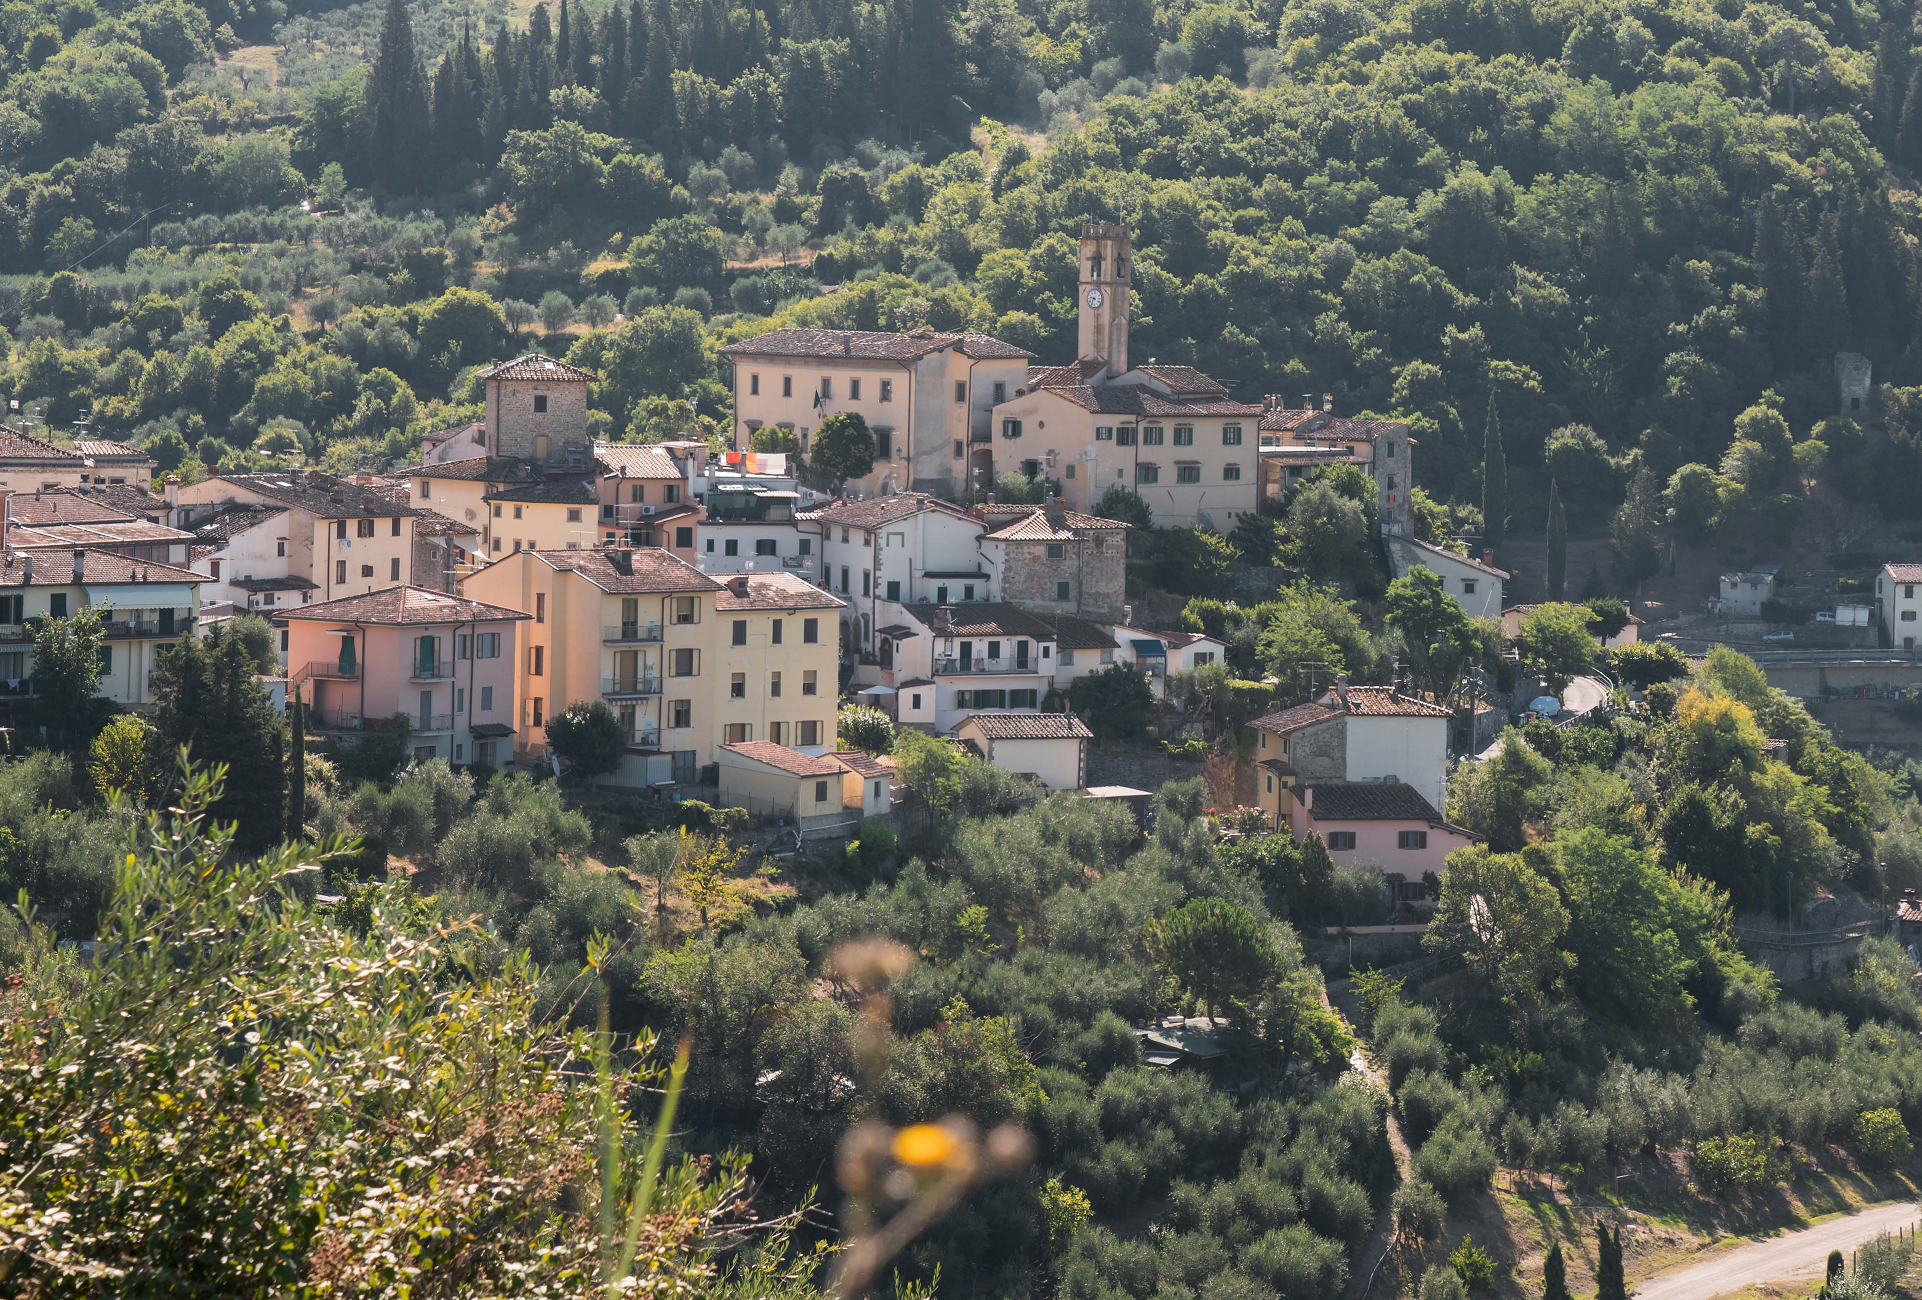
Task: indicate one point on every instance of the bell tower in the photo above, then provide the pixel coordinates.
(1106, 258)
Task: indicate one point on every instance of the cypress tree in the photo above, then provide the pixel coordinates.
(1555, 1275)
(1828, 322)
(649, 105)
(395, 100)
(1557, 543)
(1494, 478)
(1610, 1282)
(537, 63)
(583, 53)
(1887, 85)
(1779, 264)
(563, 47)
(297, 770)
(612, 41)
(1908, 140)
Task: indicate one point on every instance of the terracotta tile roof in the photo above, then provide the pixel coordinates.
(62, 506)
(866, 765)
(403, 606)
(1184, 381)
(534, 366)
(649, 569)
(771, 591)
(55, 569)
(289, 583)
(1457, 557)
(1320, 424)
(872, 512)
(1139, 400)
(1078, 372)
(979, 618)
(1286, 720)
(321, 495)
(100, 450)
(432, 523)
(635, 460)
(558, 489)
(1072, 633)
(120, 496)
(1033, 524)
(435, 439)
(15, 445)
(869, 345)
(232, 518)
(474, 469)
(1903, 572)
(1027, 726)
(1387, 702)
(1369, 801)
(108, 532)
(791, 761)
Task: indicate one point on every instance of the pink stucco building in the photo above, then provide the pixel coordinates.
(1383, 823)
(446, 663)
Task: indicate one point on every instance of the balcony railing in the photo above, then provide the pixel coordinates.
(631, 684)
(344, 720)
(632, 632)
(424, 671)
(146, 627)
(331, 669)
(797, 562)
(648, 737)
(951, 667)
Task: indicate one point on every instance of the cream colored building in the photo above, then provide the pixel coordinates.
(774, 781)
(776, 650)
(928, 397)
(1050, 747)
(310, 535)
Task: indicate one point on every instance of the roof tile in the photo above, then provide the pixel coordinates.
(534, 366)
(871, 345)
(791, 761)
(1027, 726)
(403, 606)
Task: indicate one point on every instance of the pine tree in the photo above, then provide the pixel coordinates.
(1557, 543)
(1784, 276)
(1908, 141)
(1610, 1282)
(1494, 479)
(1555, 1275)
(395, 102)
(1887, 85)
(297, 770)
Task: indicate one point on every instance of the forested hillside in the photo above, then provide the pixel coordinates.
(1639, 221)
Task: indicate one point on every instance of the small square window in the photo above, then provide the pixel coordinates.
(1187, 473)
(1468, 586)
(1340, 840)
(1231, 473)
(1412, 840)
(540, 403)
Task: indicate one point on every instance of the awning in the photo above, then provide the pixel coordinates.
(877, 690)
(490, 730)
(141, 595)
(894, 630)
(1146, 649)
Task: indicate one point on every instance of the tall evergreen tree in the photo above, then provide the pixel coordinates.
(1557, 543)
(537, 63)
(1908, 140)
(1610, 1282)
(1888, 85)
(1828, 326)
(1784, 275)
(648, 108)
(563, 46)
(612, 44)
(297, 769)
(206, 698)
(395, 103)
(1555, 1275)
(1494, 478)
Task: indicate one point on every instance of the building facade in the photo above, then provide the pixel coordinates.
(1898, 604)
(296, 532)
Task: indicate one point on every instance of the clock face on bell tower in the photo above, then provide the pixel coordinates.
(1096, 297)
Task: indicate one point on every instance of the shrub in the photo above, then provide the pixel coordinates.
(1373, 991)
(1407, 1051)
(1472, 1265)
(1419, 1210)
(1425, 1099)
(1442, 1283)
(863, 727)
(1740, 1160)
(1882, 1139)
(1458, 1160)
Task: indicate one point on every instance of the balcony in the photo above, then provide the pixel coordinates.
(631, 685)
(344, 720)
(631, 633)
(645, 737)
(435, 671)
(984, 667)
(146, 627)
(332, 670)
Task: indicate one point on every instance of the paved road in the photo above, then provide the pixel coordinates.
(1583, 694)
(1800, 1256)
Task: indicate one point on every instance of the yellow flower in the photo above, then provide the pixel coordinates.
(925, 1146)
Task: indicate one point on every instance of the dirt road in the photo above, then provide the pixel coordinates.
(1798, 1256)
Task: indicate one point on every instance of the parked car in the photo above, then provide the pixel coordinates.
(1825, 616)
(1783, 635)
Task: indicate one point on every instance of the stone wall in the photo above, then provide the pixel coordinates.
(1094, 566)
(1319, 752)
(513, 424)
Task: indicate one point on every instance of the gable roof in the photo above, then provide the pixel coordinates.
(1457, 557)
(771, 591)
(55, 569)
(61, 506)
(321, 495)
(1290, 719)
(432, 523)
(403, 605)
(472, 469)
(232, 518)
(636, 460)
(980, 618)
(435, 439)
(648, 569)
(1903, 572)
(1071, 633)
(1141, 400)
(97, 449)
(864, 764)
(872, 512)
(791, 761)
(533, 365)
(1027, 726)
(1362, 801)
(16, 445)
(106, 532)
(1320, 424)
(872, 345)
(1387, 702)
(1184, 381)
(1036, 524)
(555, 489)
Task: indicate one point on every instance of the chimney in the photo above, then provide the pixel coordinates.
(6, 519)
(79, 565)
(1307, 401)
(173, 490)
(738, 585)
(624, 562)
(365, 478)
(1341, 690)
(26, 569)
(1488, 557)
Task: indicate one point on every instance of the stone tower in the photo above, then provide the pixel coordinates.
(1106, 259)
